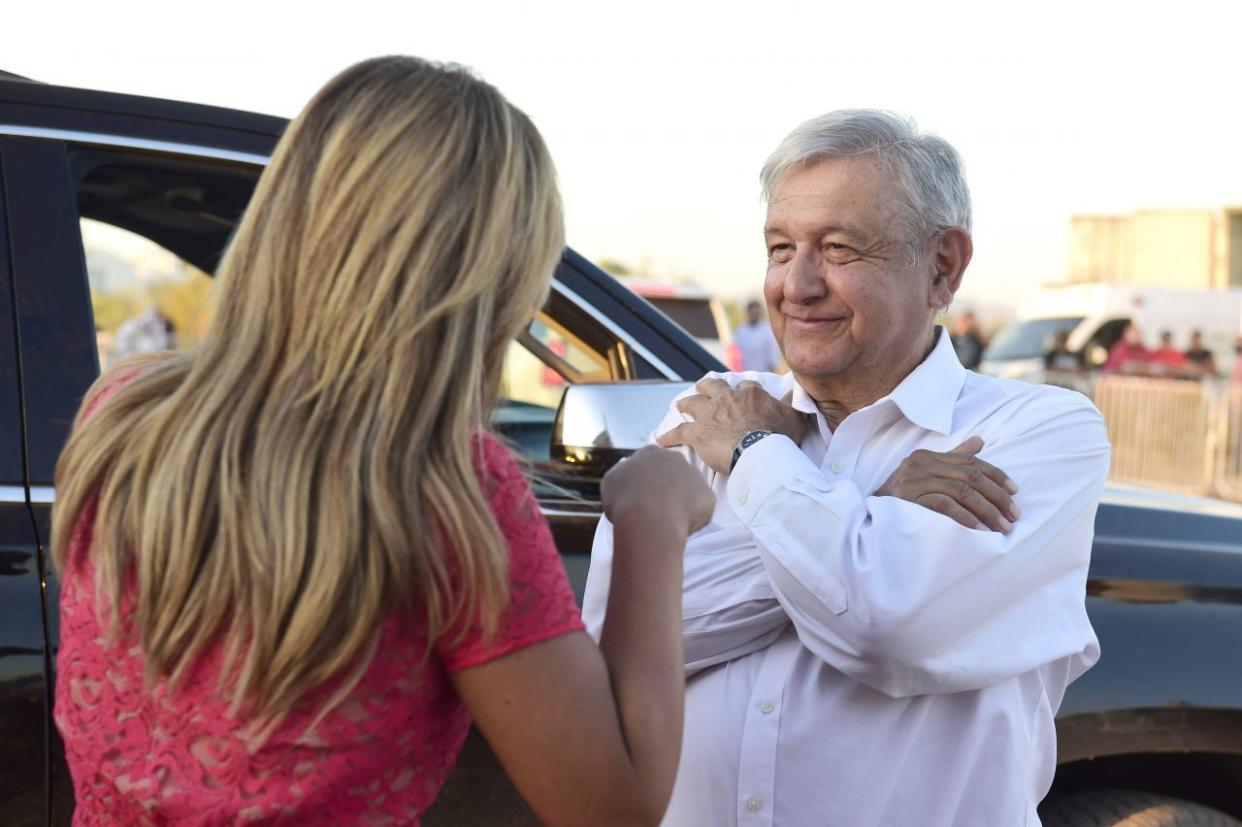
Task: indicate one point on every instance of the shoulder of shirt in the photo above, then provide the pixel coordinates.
(1043, 402)
(774, 383)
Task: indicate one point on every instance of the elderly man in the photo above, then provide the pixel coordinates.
(879, 624)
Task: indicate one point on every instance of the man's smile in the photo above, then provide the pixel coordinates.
(816, 324)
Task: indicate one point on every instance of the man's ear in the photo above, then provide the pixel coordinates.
(950, 253)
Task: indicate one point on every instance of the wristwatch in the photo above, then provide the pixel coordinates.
(745, 442)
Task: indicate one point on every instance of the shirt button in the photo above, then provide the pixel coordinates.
(741, 499)
(754, 803)
(837, 468)
(766, 707)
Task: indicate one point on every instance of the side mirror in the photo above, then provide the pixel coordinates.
(599, 424)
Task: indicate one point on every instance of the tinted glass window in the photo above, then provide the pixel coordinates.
(1029, 339)
(153, 229)
(144, 297)
(695, 315)
(545, 358)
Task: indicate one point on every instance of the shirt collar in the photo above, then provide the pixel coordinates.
(926, 397)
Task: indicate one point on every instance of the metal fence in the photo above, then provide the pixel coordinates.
(1179, 435)
(1228, 477)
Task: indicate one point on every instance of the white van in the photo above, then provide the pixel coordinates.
(1095, 315)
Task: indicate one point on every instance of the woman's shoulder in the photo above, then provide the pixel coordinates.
(117, 377)
(490, 451)
(500, 472)
(506, 486)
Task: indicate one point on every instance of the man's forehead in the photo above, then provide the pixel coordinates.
(776, 226)
(824, 215)
(840, 193)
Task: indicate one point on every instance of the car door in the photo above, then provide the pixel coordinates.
(24, 681)
(57, 364)
(95, 236)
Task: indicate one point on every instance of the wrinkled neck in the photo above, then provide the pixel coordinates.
(836, 401)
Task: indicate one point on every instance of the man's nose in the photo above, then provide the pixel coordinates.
(804, 280)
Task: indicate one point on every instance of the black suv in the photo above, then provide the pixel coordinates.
(112, 205)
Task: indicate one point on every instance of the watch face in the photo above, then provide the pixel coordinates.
(746, 441)
(753, 437)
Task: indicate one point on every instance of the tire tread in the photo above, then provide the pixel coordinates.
(1127, 808)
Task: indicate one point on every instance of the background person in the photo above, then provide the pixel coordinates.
(968, 340)
(1128, 354)
(295, 564)
(148, 332)
(1167, 359)
(755, 341)
(1199, 357)
(1060, 359)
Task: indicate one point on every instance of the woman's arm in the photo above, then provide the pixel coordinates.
(592, 734)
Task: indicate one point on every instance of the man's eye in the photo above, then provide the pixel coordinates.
(780, 252)
(839, 253)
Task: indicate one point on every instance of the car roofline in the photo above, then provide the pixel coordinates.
(14, 90)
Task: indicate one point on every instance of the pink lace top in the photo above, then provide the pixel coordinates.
(147, 756)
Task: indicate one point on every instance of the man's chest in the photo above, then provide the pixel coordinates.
(863, 451)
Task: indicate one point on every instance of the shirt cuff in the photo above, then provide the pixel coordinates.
(763, 469)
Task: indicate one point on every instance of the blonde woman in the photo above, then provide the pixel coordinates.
(295, 565)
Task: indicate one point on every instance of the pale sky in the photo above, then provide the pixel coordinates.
(660, 114)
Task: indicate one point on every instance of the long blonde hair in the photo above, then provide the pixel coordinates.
(309, 469)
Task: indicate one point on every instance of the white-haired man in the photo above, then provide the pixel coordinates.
(875, 634)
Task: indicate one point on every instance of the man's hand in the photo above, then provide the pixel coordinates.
(957, 484)
(723, 415)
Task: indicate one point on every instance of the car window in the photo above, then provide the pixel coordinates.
(153, 229)
(539, 364)
(144, 297)
(1029, 339)
(1103, 339)
(695, 315)
(543, 360)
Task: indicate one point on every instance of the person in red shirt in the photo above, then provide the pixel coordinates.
(295, 564)
(1128, 354)
(1167, 359)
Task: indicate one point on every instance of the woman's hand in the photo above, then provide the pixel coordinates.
(657, 484)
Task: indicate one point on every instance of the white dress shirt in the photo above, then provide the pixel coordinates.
(856, 660)
(757, 346)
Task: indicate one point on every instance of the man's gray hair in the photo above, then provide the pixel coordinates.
(927, 168)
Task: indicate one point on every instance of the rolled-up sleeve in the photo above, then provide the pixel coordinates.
(728, 608)
(909, 602)
(599, 578)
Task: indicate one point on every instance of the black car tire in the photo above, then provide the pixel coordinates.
(1126, 808)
